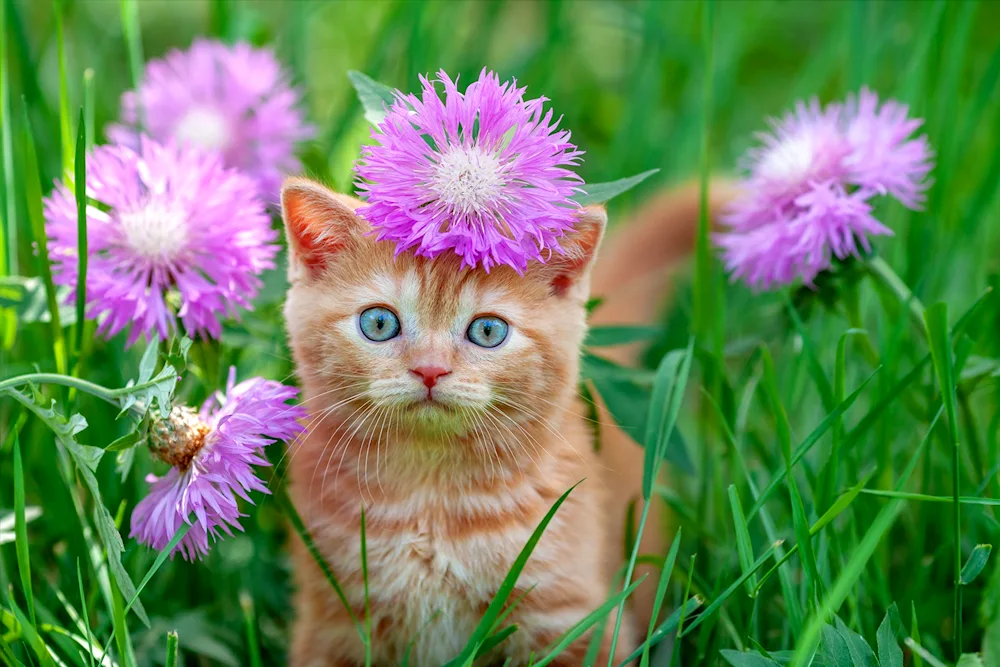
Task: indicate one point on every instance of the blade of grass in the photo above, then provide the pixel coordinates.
(86, 614)
(744, 547)
(80, 187)
(31, 636)
(584, 624)
(915, 633)
(33, 198)
(668, 395)
(680, 621)
(665, 628)
(9, 242)
(250, 626)
(172, 649)
(300, 528)
(88, 107)
(661, 592)
(486, 624)
(65, 123)
(923, 497)
(808, 558)
(21, 531)
(826, 393)
(936, 322)
(133, 39)
(718, 602)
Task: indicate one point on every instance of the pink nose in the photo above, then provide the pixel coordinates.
(430, 374)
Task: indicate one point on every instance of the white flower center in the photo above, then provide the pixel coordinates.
(791, 160)
(205, 128)
(468, 179)
(155, 231)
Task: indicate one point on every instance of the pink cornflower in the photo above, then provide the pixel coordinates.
(172, 229)
(482, 174)
(212, 454)
(235, 99)
(807, 197)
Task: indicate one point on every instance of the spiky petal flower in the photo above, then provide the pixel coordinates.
(235, 99)
(807, 197)
(172, 224)
(212, 454)
(482, 173)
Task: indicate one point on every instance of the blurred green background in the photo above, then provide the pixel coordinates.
(629, 79)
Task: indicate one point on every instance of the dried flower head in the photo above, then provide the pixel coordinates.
(212, 454)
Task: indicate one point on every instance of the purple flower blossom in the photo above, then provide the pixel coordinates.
(481, 173)
(807, 198)
(212, 453)
(176, 229)
(232, 98)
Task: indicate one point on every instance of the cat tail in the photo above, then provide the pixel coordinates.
(634, 275)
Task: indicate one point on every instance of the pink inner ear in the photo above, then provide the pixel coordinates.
(317, 222)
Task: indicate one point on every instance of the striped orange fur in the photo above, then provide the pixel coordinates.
(454, 480)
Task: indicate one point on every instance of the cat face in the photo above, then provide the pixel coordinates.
(424, 346)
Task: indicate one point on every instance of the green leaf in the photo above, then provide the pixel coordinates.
(861, 653)
(86, 460)
(975, 564)
(493, 611)
(598, 193)
(127, 441)
(834, 648)
(747, 659)
(608, 336)
(889, 653)
(374, 96)
(970, 660)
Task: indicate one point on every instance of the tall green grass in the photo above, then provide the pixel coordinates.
(832, 458)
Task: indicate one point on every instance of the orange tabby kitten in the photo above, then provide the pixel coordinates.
(444, 401)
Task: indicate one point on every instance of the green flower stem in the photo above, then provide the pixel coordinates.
(109, 395)
(883, 274)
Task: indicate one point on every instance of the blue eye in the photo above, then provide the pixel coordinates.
(487, 331)
(379, 324)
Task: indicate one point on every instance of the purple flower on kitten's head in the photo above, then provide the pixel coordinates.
(173, 229)
(484, 174)
(212, 454)
(807, 196)
(235, 99)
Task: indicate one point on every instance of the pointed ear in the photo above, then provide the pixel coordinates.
(566, 272)
(318, 223)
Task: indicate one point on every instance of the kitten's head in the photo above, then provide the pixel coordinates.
(424, 346)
